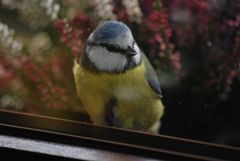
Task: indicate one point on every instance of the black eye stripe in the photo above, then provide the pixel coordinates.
(112, 48)
(109, 47)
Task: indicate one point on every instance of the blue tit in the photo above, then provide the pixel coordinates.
(115, 81)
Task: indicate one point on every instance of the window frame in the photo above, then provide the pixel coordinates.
(124, 141)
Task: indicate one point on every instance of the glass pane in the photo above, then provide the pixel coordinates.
(192, 45)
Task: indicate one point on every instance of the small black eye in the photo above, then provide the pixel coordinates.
(113, 48)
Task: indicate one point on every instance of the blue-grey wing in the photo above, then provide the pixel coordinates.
(152, 76)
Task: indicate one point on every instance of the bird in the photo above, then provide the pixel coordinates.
(115, 81)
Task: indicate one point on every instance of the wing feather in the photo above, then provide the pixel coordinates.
(152, 77)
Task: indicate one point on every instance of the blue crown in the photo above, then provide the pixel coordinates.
(110, 30)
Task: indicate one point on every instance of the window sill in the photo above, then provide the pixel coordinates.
(82, 141)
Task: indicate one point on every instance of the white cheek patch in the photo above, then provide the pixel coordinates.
(137, 57)
(105, 60)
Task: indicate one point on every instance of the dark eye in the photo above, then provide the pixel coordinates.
(109, 47)
(114, 48)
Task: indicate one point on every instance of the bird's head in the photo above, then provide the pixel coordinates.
(111, 48)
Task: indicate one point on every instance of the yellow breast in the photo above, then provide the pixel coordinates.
(137, 105)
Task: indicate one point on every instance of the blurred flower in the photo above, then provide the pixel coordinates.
(11, 3)
(35, 13)
(133, 10)
(119, 11)
(32, 15)
(181, 15)
(6, 73)
(233, 22)
(9, 101)
(52, 9)
(175, 58)
(44, 78)
(104, 9)
(73, 33)
(66, 36)
(158, 34)
(5, 78)
(39, 44)
(194, 23)
(7, 40)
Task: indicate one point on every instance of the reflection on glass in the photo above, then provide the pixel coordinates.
(193, 46)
